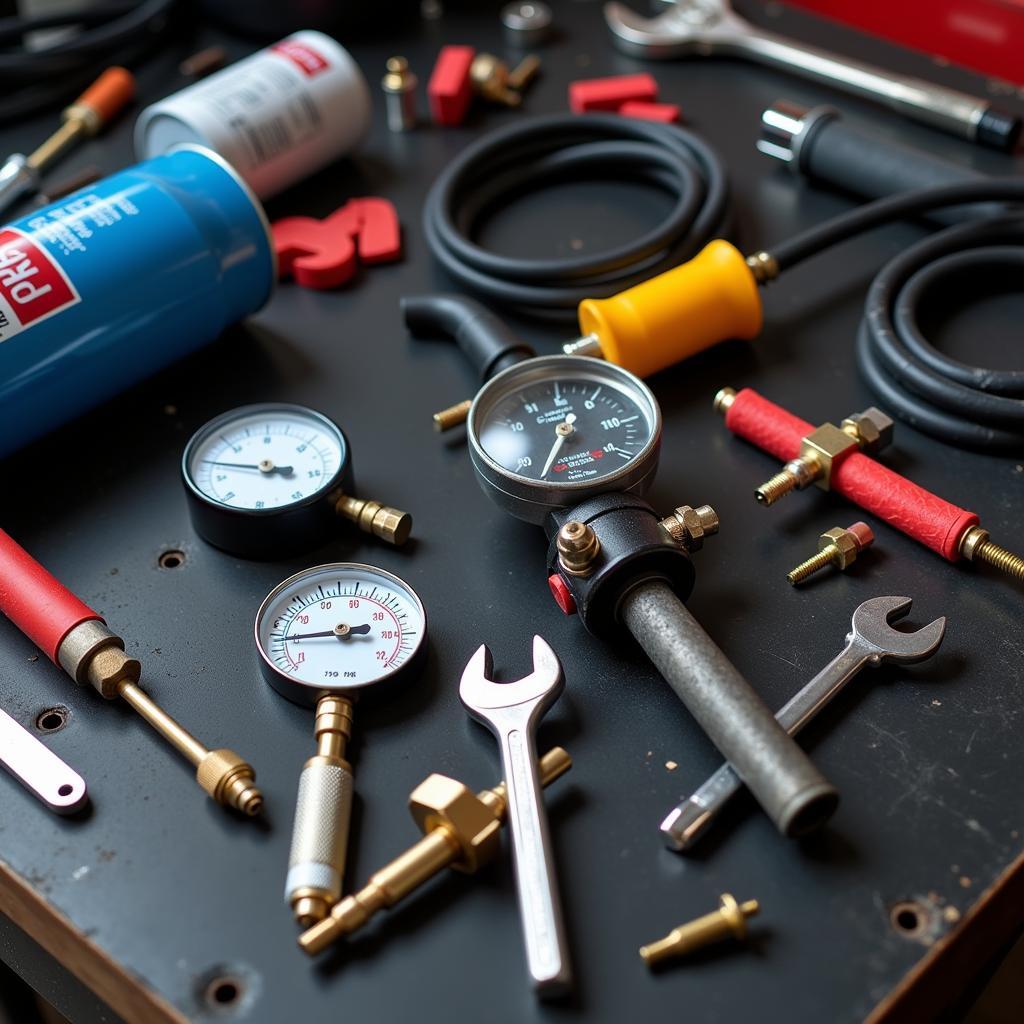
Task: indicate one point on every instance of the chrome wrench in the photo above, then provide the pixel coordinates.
(511, 711)
(710, 28)
(39, 769)
(871, 641)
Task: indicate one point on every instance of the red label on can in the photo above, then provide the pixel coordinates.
(308, 61)
(32, 284)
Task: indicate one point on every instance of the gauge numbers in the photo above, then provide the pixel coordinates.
(339, 626)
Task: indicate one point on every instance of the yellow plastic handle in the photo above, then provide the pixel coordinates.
(677, 314)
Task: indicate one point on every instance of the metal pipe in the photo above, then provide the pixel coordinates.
(794, 794)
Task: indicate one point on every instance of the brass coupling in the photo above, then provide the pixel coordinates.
(389, 524)
(460, 830)
(822, 451)
(689, 526)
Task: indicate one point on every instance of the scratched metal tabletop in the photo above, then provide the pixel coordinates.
(174, 892)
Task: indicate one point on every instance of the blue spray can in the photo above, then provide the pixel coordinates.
(105, 287)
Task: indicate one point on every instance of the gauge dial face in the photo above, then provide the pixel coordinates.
(265, 457)
(567, 430)
(340, 626)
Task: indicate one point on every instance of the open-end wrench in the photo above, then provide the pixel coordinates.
(871, 641)
(512, 711)
(39, 769)
(708, 28)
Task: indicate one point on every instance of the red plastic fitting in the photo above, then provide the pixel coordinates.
(562, 594)
(611, 93)
(36, 602)
(450, 88)
(666, 113)
(909, 508)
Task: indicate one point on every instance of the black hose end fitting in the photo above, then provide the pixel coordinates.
(485, 340)
(998, 130)
(634, 549)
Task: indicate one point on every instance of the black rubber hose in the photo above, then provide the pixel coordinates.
(544, 150)
(485, 340)
(969, 406)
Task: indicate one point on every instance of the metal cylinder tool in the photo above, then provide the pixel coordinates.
(793, 793)
(706, 28)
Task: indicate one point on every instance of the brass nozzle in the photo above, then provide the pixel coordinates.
(836, 547)
(439, 848)
(229, 780)
(389, 524)
(794, 476)
(451, 417)
(577, 546)
(975, 545)
(730, 920)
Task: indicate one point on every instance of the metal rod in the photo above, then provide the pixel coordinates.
(794, 794)
(180, 738)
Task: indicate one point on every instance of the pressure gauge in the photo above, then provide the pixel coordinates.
(268, 481)
(549, 432)
(338, 628)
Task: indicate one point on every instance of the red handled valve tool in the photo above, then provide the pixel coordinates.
(77, 639)
(833, 458)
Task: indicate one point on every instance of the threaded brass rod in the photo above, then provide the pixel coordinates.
(812, 565)
(777, 487)
(1001, 559)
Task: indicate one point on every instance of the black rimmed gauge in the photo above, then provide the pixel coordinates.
(549, 432)
(338, 628)
(270, 480)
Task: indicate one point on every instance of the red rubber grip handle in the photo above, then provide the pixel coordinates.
(918, 513)
(36, 602)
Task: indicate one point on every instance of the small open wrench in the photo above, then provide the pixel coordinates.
(871, 641)
(706, 28)
(512, 711)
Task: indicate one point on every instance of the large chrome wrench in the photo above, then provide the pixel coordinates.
(871, 641)
(709, 28)
(39, 769)
(512, 711)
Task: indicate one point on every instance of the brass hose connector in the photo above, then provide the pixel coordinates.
(578, 547)
(389, 524)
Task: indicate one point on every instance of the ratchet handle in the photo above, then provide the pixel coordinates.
(37, 602)
(323, 810)
(929, 519)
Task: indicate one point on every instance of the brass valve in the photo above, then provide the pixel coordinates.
(822, 450)
(730, 920)
(460, 831)
(689, 526)
(836, 547)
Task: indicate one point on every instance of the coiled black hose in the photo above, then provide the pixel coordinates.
(969, 406)
(546, 149)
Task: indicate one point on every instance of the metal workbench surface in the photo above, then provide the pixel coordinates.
(161, 891)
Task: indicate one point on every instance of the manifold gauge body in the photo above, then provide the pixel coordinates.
(549, 432)
(338, 628)
(262, 481)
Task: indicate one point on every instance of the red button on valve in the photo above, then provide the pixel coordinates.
(562, 594)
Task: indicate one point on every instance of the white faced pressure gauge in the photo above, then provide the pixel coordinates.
(549, 432)
(338, 628)
(267, 481)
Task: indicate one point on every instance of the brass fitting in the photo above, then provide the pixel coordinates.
(823, 450)
(492, 79)
(452, 416)
(461, 831)
(689, 526)
(228, 779)
(764, 266)
(836, 547)
(976, 546)
(729, 921)
(578, 547)
(389, 524)
(724, 398)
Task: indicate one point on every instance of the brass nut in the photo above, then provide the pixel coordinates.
(872, 429)
(827, 446)
(689, 526)
(843, 543)
(441, 802)
(109, 667)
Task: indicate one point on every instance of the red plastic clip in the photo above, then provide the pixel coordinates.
(322, 253)
(611, 93)
(666, 113)
(450, 89)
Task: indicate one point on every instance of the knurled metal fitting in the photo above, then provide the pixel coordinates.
(689, 526)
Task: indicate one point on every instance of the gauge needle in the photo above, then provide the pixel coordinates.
(340, 631)
(562, 431)
(266, 466)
